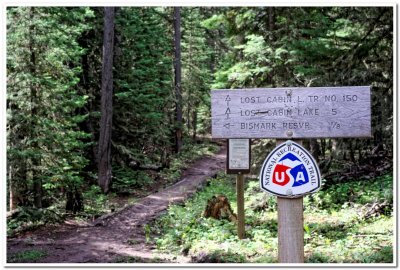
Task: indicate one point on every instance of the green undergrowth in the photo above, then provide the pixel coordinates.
(135, 184)
(126, 179)
(190, 152)
(30, 256)
(139, 183)
(136, 259)
(29, 218)
(335, 229)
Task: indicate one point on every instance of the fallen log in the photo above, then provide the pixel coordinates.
(376, 209)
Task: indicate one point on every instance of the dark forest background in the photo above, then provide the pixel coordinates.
(164, 61)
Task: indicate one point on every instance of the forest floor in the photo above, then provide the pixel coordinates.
(121, 234)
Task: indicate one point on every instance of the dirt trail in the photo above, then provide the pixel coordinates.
(121, 234)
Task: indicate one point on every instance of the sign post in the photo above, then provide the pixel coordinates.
(289, 171)
(290, 227)
(290, 230)
(238, 162)
(240, 205)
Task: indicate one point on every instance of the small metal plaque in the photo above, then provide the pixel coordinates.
(238, 160)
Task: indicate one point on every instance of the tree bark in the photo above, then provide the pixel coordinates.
(177, 67)
(323, 148)
(315, 149)
(12, 198)
(271, 20)
(11, 172)
(194, 124)
(351, 151)
(104, 154)
(74, 201)
(36, 180)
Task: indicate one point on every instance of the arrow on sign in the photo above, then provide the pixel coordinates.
(228, 111)
(228, 125)
(227, 99)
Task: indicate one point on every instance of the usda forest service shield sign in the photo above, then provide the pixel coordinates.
(290, 171)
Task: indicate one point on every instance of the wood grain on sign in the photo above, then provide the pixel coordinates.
(312, 112)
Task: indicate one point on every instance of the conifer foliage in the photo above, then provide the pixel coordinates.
(44, 153)
(61, 140)
(143, 111)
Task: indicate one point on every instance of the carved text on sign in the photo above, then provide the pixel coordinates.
(316, 112)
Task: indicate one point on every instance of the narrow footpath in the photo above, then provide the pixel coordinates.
(121, 234)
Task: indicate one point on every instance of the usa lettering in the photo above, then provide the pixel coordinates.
(289, 170)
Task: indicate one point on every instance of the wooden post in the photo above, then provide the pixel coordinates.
(290, 228)
(240, 204)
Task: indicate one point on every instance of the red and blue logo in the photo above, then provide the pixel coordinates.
(290, 171)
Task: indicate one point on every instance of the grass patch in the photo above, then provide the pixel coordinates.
(137, 259)
(27, 256)
(334, 228)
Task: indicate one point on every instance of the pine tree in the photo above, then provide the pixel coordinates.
(104, 156)
(144, 108)
(178, 79)
(197, 68)
(44, 142)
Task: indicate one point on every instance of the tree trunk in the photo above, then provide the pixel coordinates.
(315, 149)
(271, 20)
(323, 148)
(12, 190)
(338, 149)
(359, 149)
(194, 124)
(104, 154)
(189, 103)
(271, 28)
(351, 151)
(86, 89)
(37, 181)
(74, 201)
(177, 66)
(334, 148)
(12, 198)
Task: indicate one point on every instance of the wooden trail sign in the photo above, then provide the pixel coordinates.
(312, 112)
(281, 113)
